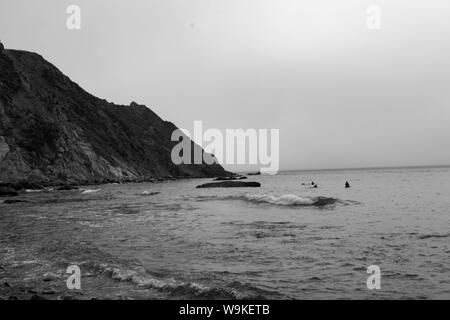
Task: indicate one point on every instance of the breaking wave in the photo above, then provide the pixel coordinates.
(149, 193)
(87, 191)
(290, 200)
(140, 277)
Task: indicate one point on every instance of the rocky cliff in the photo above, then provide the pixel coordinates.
(52, 131)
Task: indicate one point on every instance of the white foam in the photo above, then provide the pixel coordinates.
(148, 193)
(87, 191)
(286, 199)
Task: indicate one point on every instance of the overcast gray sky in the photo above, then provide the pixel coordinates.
(342, 95)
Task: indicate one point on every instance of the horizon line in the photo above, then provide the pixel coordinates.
(376, 167)
(358, 168)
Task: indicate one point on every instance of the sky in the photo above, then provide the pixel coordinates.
(342, 95)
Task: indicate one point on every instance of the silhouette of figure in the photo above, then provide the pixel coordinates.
(347, 185)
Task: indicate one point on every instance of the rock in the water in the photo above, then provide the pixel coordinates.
(229, 178)
(225, 178)
(50, 276)
(67, 187)
(254, 173)
(8, 192)
(230, 184)
(23, 185)
(13, 201)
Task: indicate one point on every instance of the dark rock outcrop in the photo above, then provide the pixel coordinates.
(225, 178)
(8, 192)
(23, 185)
(14, 201)
(230, 184)
(66, 188)
(52, 132)
(236, 177)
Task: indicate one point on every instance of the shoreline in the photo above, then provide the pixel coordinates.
(21, 186)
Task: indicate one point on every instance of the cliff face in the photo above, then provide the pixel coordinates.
(52, 131)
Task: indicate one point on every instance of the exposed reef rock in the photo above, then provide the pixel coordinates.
(8, 192)
(14, 201)
(230, 184)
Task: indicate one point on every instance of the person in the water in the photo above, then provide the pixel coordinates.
(312, 184)
(347, 185)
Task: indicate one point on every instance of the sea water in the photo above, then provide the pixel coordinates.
(284, 240)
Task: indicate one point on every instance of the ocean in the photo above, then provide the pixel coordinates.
(284, 240)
